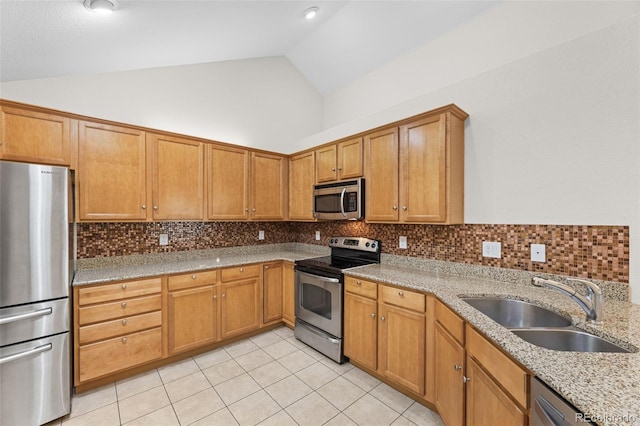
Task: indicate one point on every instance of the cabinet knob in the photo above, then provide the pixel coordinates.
(124, 340)
(253, 210)
(123, 304)
(215, 297)
(373, 315)
(457, 367)
(358, 282)
(155, 207)
(339, 168)
(395, 207)
(246, 210)
(266, 266)
(193, 277)
(404, 208)
(144, 207)
(382, 318)
(333, 170)
(466, 379)
(401, 294)
(241, 269)
(124, 286)
(124, 322)
(224, 295)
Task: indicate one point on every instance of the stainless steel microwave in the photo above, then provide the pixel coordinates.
(339, 200)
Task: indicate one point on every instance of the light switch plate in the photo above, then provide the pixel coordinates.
(164, 239)
(402, 242)
(317, 235)
(492, 249)
(538, 253)
(261, 235)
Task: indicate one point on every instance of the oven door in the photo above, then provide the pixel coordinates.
(319, 302)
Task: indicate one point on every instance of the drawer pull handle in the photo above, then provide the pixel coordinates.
(382, 318)
(457, 367)
(124, 340)
(124, 322)
(124, 286)
(193, 277)
(358, 282)
(373, 315)
(123, 304)
(401, 294)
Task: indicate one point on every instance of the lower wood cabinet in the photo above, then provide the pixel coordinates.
(449, 374)
(192, 318)
(240, 304)
(288, 294)
(361, 330)
(272, 286)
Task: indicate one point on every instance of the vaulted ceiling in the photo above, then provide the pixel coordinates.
(348, 39)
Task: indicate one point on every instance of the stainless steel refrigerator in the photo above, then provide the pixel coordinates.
(36, 243)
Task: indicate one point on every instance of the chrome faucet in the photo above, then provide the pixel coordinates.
(591, 303)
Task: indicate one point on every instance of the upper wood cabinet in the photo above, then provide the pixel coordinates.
(415, 173)
(36, 137)
(339, 161)
(227, 183)
(112, 180)
(301, 181)
(269, 190)
(178, 178)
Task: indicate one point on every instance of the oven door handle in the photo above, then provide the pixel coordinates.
(320, 277)
(24, 354)
(344, 191)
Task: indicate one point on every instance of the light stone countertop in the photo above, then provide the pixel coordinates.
(603, 385)
(606, 385)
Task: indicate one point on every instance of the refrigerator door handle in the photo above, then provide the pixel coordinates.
(24, 354)
(27, 315)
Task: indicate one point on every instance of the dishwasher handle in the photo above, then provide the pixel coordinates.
(549, 415)
(25, 354)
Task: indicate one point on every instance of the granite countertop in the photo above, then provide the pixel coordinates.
(603, 385)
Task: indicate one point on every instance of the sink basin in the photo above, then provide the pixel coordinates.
(512, 313)
(568, 340)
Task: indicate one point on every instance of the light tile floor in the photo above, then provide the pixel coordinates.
(268, 379)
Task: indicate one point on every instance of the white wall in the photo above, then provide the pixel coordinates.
(553, 135)
(262, 103)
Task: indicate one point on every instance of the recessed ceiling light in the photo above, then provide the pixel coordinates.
(311, 12)
(101, 6)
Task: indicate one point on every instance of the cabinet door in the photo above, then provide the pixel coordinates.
(423, 161)
(272, 291)
(240, 307)
(487, 404)
(227, 183)
(361, 330)
(178, 178)
(401, 343)
(326, 170)
(449, 370)
(288, 294)
(381, 172)
(301, 180)
(268, 186)
(112, 173)
(35, 137)
(192, 318)
(350, 159)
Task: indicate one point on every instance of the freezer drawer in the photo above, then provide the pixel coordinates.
(36, 384)
(27, 322)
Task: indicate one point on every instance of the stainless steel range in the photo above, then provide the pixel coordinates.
(319, 292)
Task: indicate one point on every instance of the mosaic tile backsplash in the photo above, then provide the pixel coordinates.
(596, 252)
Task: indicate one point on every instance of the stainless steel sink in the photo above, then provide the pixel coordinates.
(513, 313)
(568, 340)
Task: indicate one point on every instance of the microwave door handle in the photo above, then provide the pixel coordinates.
(344, 191)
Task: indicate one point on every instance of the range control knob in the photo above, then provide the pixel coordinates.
(367, 244)
(373, 245)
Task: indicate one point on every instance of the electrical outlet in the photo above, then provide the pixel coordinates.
(492, 249)
(261, 235)
(538, 253)
(164, 239)
(317, 235)
(402, 242)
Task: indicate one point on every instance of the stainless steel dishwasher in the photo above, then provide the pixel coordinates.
(550, 409)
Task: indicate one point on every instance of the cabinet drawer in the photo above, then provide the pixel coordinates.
(105, 330)
(240, 272)
(125, 308)
(506, 372)
(194, 279)
(403, 298)
(123, 290)
(120, 353)
(361, 287)
(450, 321)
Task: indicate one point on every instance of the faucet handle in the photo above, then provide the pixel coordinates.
(592, 288)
